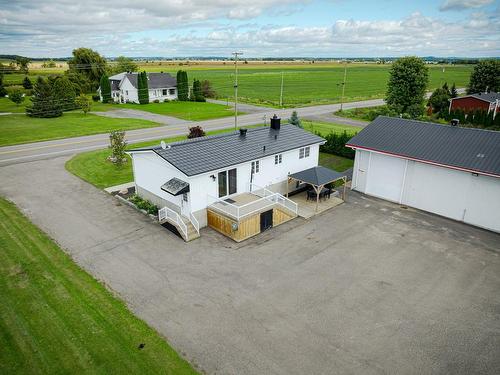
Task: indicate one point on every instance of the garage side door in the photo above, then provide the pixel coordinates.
(483, 203)
(385, 177)
(435, 189)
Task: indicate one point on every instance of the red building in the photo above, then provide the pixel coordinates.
(487, 101)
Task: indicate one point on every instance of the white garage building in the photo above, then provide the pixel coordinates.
(447, 170)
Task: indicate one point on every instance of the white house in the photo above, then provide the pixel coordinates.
(447, 170)
(161, 87)
(216, 174)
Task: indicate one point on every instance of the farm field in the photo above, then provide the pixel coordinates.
(56, 319)
(19, 128)
(93, 166)
(303, 84)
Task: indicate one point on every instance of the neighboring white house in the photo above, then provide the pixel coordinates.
(161, 87)
(190, 176)
(447, 170)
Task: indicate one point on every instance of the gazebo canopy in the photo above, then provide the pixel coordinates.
(317, 176)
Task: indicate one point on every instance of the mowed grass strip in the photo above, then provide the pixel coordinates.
(325, 128)
(56, 319)
(94, 167)
(17, 129)
(192, 111)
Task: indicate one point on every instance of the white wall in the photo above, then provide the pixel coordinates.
(456, 194)
(157, 94)
(128, 91)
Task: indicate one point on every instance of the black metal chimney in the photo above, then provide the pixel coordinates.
(243, 132)
(275, 123)
(455, 122)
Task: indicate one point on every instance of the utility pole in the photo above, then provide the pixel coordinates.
(236, 54)
(343, 86)
(281, 91)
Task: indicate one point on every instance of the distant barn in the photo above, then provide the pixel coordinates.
(489, 101)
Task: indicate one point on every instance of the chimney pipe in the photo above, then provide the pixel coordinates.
(454, 122)
(275, 122)
(243, 132)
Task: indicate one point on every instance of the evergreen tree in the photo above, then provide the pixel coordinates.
(3, 91)
(105, 89)
(142, 88)
(182, 86)
(64, 92)
(439, 101)
(407, 86)
(197, 92)
(16, 96)
(445, 87)
(294, 120)
(453, 91)
(27, 83)
(43, 103)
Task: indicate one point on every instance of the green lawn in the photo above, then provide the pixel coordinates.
(16, 129)
(7, 105)
(337, 163)
(93, 166)
(360, 113)
(56, 319)
(325, 128)
(193, 111)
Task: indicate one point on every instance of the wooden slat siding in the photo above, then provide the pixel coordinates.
(247, 227)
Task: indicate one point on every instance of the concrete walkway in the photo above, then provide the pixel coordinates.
(142, 115)
(365, 288)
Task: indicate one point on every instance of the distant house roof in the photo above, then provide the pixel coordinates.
(207, 154)
(474, 150)
(318, 175)
(490, 97)
(155, 80)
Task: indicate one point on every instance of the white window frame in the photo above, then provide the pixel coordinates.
(304, 152)
(278, 159)
(255, 166)
(308, 151)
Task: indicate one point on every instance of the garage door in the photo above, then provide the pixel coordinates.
(385, 177)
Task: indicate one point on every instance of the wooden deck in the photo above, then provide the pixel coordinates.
(307, 208)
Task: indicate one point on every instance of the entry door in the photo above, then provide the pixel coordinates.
(185, 209)
(266, 220)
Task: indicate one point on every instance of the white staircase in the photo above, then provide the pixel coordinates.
(188, 228)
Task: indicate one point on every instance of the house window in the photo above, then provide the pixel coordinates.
(227, 182)
(255, 166)
(304, 152)
(185, 197)
(164, 92)
(278, 159)
(171, 91)
(126, 92)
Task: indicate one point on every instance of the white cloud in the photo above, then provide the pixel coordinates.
(206, 27)
(463, 4)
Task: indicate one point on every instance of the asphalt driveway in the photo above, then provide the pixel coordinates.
(366, 288)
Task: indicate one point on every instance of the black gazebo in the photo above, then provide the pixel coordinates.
(318, 177)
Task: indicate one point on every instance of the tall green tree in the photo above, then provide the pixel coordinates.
(407, 86)
(23, 64)
(125, 64)
(182, 86)
(439, 100)
(142, 88)
(485, 77)
(197, 92)
(3, 91)
(43, 103)
(64, 92)
(453, 91)
(88, 63)
(105, 89)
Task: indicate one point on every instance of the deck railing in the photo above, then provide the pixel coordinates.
(168, 214)
(195, 222)
(267, 199)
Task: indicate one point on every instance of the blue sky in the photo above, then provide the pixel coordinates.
(316, 28)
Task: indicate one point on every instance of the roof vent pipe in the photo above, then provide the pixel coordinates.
(243, 132)
(275, 122)
(454, 122)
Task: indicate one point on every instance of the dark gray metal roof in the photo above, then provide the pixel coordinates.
(175, 186)
(207, 154)
(488, 96)
(476, 150)
(318, 175)
(155, 80)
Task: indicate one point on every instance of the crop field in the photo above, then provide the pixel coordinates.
(303, 83)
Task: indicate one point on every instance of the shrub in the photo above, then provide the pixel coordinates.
(84, 103)
(27, 83)
(117, 144)
(294, 120)
(144, 204)
(17, 97)
(96, 98)
(196, 132)
(156, 101)
(335, 144)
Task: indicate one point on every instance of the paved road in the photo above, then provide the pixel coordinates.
(50, 149)
(366, 288)
(242, 107)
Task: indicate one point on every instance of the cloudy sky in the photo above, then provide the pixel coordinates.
(259, 28)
